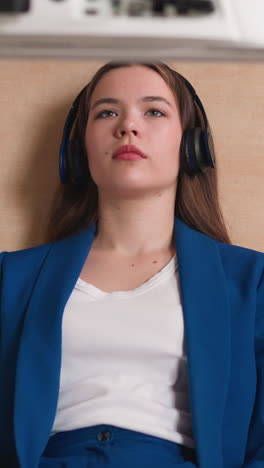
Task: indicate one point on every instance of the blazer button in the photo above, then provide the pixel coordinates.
(104, 435)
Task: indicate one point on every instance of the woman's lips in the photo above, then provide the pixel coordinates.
(130, 150)
(128, 156)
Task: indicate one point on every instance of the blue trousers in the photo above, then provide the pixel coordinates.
(109, 446)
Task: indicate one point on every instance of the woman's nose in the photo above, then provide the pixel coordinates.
(127, 132)
(126, 127)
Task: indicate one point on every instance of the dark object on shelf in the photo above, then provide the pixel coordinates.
(14, 6)
(203, 6)
(183, 6)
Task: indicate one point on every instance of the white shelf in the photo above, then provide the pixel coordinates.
(62, 30)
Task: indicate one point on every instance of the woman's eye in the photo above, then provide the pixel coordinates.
(101, 114)
(106, 113)
(156, 110)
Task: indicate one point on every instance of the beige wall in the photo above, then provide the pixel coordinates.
(35, 97)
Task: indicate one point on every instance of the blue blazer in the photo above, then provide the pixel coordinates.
(222, 291)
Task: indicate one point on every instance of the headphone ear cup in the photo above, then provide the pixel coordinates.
(199, 152)
(208, 148)
(76, 162)
(189, 144)
(202, 152)
(195, 150)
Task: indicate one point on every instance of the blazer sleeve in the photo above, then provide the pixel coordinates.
(255, 447)
(2, 254)
(1, 261)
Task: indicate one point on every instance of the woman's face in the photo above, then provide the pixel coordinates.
(153, 126)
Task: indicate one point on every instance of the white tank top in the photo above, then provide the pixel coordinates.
(124, 360)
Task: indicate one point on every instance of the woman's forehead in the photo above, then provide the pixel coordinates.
(140, 80)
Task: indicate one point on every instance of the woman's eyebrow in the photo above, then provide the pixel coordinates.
(143, 99)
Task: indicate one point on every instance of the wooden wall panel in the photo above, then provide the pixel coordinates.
(35, 97)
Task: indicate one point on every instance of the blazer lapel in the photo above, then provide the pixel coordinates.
(207, 334)
(206, 313)
(39, 356)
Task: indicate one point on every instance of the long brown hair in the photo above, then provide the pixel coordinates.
(197, 204)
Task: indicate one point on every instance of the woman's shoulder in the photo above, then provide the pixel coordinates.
(239, 251)
(26, 252)
(242, 263)
(21, 258)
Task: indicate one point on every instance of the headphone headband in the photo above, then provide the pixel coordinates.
(195, 98)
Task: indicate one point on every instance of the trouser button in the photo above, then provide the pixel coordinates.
(104, 435)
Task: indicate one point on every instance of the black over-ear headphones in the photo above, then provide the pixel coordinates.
(197, 145)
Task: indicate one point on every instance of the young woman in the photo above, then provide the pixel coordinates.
(135, 336)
